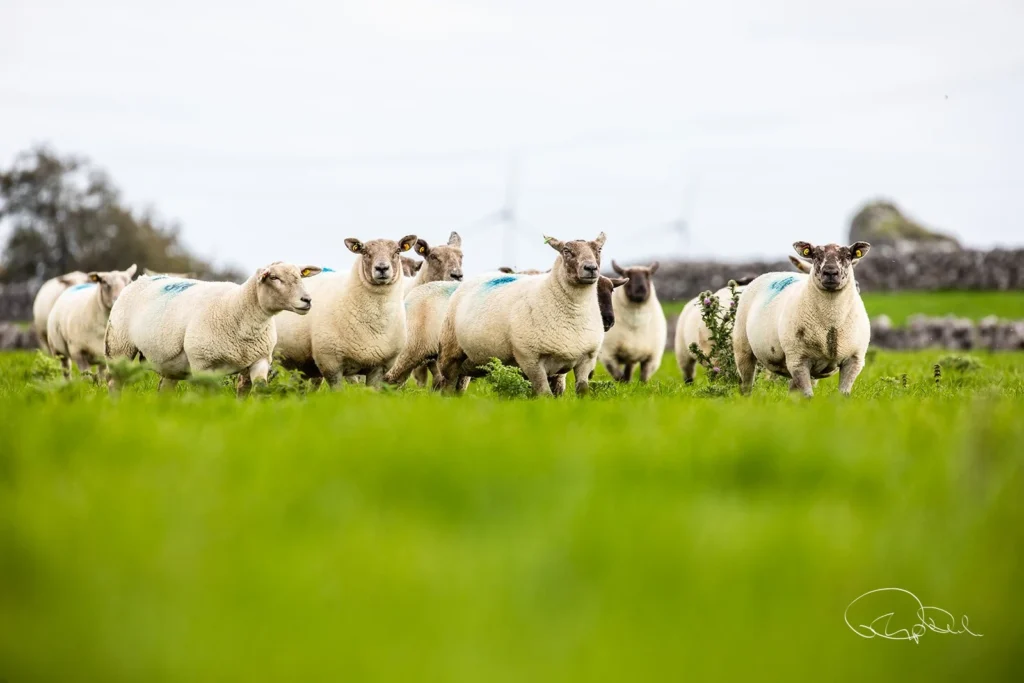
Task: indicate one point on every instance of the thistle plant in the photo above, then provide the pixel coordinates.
(507, 381)
(719, 363)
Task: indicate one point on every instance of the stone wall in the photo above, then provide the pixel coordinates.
(16, 300)
(884, 269)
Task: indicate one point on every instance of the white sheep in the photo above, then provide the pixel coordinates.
(184, 326)
(805, 326)
(46, 297)
(360, 327)
(546, 324)
(691, 329)
(75, 326)
(638, 336)
(441, 262)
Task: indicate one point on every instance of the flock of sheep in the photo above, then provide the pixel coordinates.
(392, 316)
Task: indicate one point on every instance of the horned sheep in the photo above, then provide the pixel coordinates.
(183, 326)
(805, 326)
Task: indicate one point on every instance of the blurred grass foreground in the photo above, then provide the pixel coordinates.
(667, 534)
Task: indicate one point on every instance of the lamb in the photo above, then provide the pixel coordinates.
(183, 326)
(46, 297)
(691, 329)
(805, 326)
(426, 307)
(360, 328)
(545, 324)
(639, 334)
(443, 262)
(75, 326)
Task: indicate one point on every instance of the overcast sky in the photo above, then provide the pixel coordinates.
(275, 130)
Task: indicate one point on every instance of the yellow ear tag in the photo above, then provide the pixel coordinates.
(306, 272)
(422, 249)
(857, 253)
(807, 252)
(356, 246)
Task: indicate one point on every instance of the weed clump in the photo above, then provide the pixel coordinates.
(960, 363)
(720, 363)
(507, 381)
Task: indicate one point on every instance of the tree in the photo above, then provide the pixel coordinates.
(66, 214)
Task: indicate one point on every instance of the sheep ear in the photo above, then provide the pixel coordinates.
(802, 266)
(654, 267)
(407, 242)
(95, 277)
(803, 248)
(131, 271)
(354, 245)
(618, 281)
(859, 250)
(422, 248)
(505, 269)
(555, 244)
(264, 274)
(454, 240)
(617, 268)
(310, 271)
(599, 240)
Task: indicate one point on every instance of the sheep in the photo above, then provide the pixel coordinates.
(46, 297)
(805, 326)
(545, 324)
(410, 266)
(75, 326)
(639, 332)
(360, 328)
(183, 326)
(691, 329)
(443, 262)
(426, 307)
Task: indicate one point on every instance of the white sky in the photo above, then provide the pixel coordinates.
(275, 130)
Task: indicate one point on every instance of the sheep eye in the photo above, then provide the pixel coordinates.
(274, 277)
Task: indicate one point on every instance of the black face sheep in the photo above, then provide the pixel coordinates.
(638, 337)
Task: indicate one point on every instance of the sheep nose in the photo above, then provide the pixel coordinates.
(382, 269)
(306, 300)
(591, 268)
(457, 275)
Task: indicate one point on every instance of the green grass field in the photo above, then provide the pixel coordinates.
(901, 305)
(648, 533)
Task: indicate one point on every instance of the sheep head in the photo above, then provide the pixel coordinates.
(831, 265)
(605, 285)
(638, 289)
(581, 259)
(111, 283)
(280, 288)
(410, 266)
(381, 263)
(444, 262)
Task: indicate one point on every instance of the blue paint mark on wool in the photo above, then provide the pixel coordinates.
(499, 281)
(84, 285)
(776, 287)
(327, 270)
(178, 287)
(158, 277)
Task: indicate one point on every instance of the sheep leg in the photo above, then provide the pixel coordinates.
(435, 372)
(688, 366)
(315, 382)
(243, 386)
(646, 370)
(399, 372)
(463, 384)
(582, 373)
(746, 366)
(557, 384)
(374, 377)
(534, 370)
(167, 385)
(65, 365)
(420, 375)
(452, 358)
(613, 369)
(800, 371)
(627, 373)
(848, 372)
